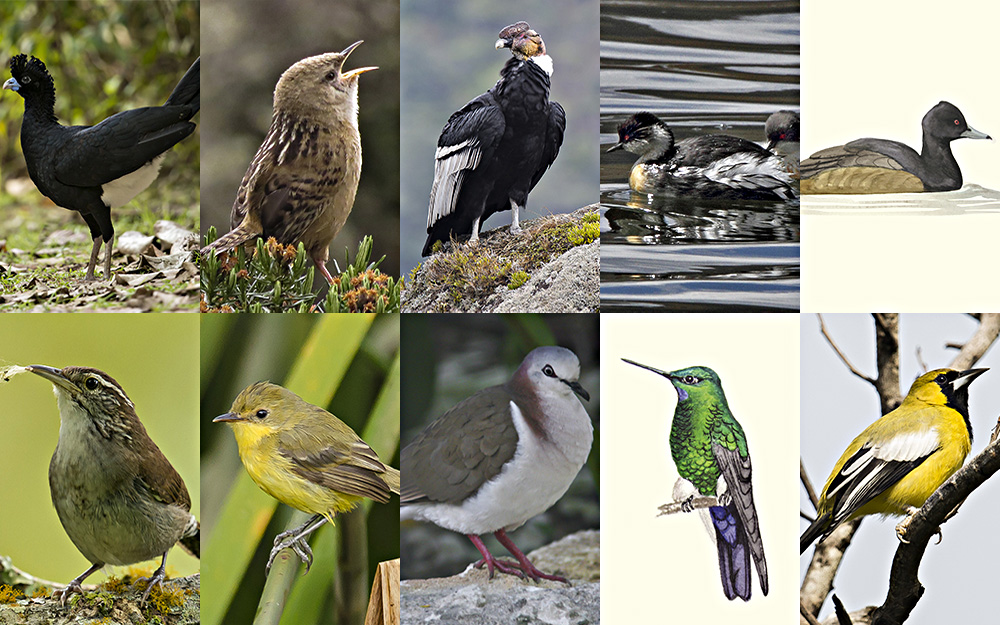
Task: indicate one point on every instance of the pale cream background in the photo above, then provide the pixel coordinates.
(874, 69)
(665, 569)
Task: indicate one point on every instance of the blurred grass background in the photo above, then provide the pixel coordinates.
(105, 57)
(153, 357)
(445, 359)
(247, 46)
(348, 364)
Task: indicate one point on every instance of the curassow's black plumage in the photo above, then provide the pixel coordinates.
(494, 150)
(92, 169)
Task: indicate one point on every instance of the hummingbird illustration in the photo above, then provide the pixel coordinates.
(710, 451)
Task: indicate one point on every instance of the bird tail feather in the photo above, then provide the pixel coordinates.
(191, 540)
(816, 530)
(734, 553)
(391, 478)
(188, 89)
(231, 240)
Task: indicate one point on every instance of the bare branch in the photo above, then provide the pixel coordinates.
(904, 587)
(823, 567)
(920, 361)
(843, 358)
(697, 502)
(807, 616)
(887, 360)
(808, 484)
(979, 342)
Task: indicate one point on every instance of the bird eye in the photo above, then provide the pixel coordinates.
(690, 379)
(331, 76)
(261, 414)
(942, 379)
(547, 370)
(957, 123)
(91, 384)
(26, 79)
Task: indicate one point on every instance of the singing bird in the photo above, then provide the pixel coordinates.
(305, 457)
(301, 184)
(895, 464)
(710, 450)
(494, 150)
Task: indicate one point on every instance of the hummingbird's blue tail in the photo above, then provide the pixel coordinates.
(734, 552)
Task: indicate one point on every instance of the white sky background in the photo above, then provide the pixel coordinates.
(959, 574)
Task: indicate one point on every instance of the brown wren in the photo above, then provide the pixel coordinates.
(118, 498)
(301, 184)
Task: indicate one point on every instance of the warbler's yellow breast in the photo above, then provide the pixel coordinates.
(274, 473)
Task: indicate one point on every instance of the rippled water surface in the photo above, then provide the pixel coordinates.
(703, 67)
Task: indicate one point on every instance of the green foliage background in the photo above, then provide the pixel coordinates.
(105, 57)
(349, 364)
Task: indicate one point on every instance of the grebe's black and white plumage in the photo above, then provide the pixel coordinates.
(884, 166)
(494, 150)
(713, 166)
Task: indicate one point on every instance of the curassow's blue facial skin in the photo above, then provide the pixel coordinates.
(92, 169)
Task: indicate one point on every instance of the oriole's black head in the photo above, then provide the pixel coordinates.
(642, 131)
(29, 76)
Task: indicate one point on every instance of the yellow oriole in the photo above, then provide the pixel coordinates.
(897, 462)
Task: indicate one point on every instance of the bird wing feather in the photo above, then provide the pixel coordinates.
(736, 471)
(456, 454)
(553, 141)
(330, 454)
(875, 467)
(121, 143)
(468, 139)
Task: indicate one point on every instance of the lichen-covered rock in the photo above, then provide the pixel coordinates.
(552, 266)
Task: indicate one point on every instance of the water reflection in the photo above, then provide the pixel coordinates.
(704, 68)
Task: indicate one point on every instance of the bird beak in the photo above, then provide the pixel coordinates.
(970, 133)
(53, 375)
(12, 84)
(579, 390)
(653, 369)
(503, 43)
(346, 52)
(964, 378)
(619, 146)
(229, 416)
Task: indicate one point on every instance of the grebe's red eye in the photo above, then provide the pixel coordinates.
(957, 123)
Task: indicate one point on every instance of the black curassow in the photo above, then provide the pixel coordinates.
(92, 169)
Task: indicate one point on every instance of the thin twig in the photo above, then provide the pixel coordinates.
(829, 339)
(808, 484)
(697, 502)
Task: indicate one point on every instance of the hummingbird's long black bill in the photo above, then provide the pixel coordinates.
(653, 369)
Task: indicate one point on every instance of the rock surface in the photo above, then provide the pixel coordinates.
(472, 598)
(560, 277)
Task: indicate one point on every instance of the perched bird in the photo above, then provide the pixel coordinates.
(782, 133)
(495, 149)
(305, 457)
(713, 460)
(895, 464)
(92, 169)
(501, 456)
(301, 184)
(118, 498)
(883, 166)
(709, 166)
